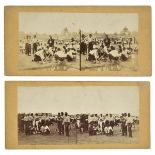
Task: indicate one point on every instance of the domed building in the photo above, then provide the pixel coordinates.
(65, 34)
(125, 32)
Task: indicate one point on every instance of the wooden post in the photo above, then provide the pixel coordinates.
(76, 130)
(87, 52)
(80, 48)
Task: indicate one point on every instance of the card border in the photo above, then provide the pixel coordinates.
(11, 39)
(11, 137)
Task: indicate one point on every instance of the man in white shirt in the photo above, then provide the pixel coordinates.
(60, 55)
(100, 122)
(47, 129)
(124, 124)
(71, 55)
(114, 54)
(129, 124)
(66, 123)
(108, 130)
(93, 54)
(39, 56)
(78, 121)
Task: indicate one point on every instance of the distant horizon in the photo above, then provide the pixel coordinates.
(74, 113)
(70, 32)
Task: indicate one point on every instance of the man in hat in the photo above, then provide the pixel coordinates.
(90, 42)
(34, 44)
(124, 124)
(50, 42)
(83, 45)
(62, 127)
(100, 122)
(129, 124)
(60, 121)
(66, 123)
(28, 45)
(106, 41)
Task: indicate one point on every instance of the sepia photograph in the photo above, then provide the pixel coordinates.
(78, 115)
(78, 41)
(56, 41)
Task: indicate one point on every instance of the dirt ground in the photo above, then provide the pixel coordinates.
(26, 63)
(77, 138)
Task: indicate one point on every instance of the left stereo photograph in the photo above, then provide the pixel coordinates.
(77, 115)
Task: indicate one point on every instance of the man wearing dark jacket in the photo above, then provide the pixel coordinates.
(50, 42)
(107, 41)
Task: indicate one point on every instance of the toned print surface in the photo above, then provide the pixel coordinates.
(80, 40)
(79, 115)
(83, 42)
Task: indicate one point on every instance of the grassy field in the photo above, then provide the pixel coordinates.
(77, 138)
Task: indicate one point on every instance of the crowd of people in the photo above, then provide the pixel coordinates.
(48, 51)
(95, 49)
(108, 49)
(93, 124)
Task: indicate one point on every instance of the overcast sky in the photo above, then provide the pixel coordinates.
(90, 99)
(89, 22)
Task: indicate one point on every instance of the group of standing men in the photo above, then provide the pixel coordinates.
(93, 124)
(30, 44)
(87, 43)
(127, 123)
(34, 123)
